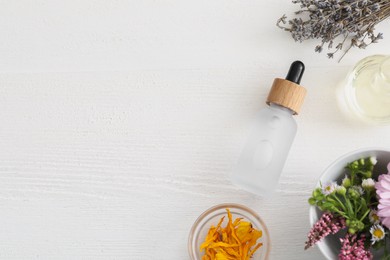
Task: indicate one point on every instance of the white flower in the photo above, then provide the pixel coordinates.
(373, 216)
(368, 183)
(377, 233)
(358, 189)
(373, 160)
(329, 188)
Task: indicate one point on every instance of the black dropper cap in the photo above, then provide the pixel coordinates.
(295, 72)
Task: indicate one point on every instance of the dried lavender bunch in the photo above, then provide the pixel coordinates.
(351, 22)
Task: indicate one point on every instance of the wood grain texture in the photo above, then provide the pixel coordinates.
(121, 121)
(287, 94)
(104, 165)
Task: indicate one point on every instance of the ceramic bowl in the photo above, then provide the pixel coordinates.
(330, 246)
(213, 215)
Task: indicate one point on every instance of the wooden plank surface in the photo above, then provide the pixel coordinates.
(121, 121)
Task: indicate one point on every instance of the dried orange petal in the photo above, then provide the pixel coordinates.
(236, 241)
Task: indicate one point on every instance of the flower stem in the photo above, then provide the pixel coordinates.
(365, 215)
(349, 206)
(339, 201)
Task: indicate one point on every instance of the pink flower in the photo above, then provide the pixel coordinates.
(327, 224)
(382, 187)
(353, 248)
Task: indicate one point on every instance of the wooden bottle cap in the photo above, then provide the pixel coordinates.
(287, 94)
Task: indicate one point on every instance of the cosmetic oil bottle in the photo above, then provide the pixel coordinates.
(261, 162)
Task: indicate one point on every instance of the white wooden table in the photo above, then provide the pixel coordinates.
(121, 121)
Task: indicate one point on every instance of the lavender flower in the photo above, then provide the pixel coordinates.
(353, 248)
(350, 21)
(327, 224)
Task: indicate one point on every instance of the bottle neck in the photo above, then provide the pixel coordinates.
(284, 110)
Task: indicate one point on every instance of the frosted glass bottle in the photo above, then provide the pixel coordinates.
(265, 152)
